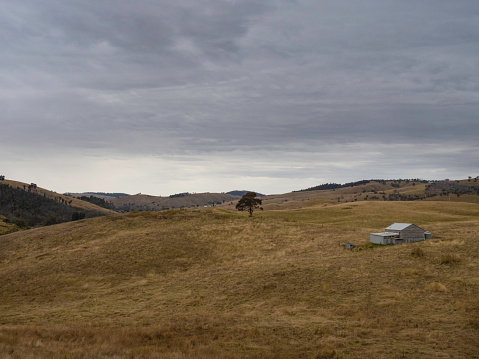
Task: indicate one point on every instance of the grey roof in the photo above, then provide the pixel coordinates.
(385, 234)
(398, 226)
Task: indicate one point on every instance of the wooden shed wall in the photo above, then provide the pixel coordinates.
(412, 231)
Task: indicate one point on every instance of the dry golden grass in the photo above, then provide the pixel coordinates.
(6, 228)
(217, 284)
(368, 192)
(158, 203)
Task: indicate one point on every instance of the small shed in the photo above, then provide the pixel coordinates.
(383, 237)
(400, 233)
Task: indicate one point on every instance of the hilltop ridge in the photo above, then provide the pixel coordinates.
(76, 203)
(375, 190)
(364, 190)
(157, 203)
(25, 205)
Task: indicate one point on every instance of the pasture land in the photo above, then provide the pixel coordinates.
(217, 284)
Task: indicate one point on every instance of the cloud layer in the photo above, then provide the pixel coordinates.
(162, 97)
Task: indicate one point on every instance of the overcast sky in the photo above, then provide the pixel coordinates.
(161, 96)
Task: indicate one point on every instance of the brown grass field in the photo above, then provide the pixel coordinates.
(298, 200)
(217, 284)
(157, 203)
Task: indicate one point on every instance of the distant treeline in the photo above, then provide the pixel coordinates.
(178, 195)
(110, 194)
(99, 194)
(98, 201)
(396, 196)
(441, 188)
(128, 207)
(397, 182)
(28, 208)
(242, 193)
(437, 188)
(330, 186)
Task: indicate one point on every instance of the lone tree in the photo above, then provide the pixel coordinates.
(249, 202)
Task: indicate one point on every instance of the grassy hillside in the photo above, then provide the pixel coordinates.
(156, 203)
(217, 284)
(6, 227)
(23, 206)
(373, 191)
(75, 203)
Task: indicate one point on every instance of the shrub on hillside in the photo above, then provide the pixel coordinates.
(417, 252)
(450, 259)
(20, 223)
(76, 216)
(436, 287)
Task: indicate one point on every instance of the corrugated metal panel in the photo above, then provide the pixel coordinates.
(398, 226)
(386, 234)
(376, 238)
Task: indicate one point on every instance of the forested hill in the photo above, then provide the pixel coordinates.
(30, 206)
(329, 186)
(103, 195)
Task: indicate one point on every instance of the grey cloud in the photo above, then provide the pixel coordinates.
(209, 78)
(127, 45)
(134, 27)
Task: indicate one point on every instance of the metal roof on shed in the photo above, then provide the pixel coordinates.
(398, 226)
(386, 234)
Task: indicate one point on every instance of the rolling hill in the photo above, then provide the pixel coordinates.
(6, 227)
(375, 190)
(365, 190)
(23, 205)
(102, 195)
(75, 203)
(217, 284)
(157, 203)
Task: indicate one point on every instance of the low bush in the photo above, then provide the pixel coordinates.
(450, 259)
(417, 252)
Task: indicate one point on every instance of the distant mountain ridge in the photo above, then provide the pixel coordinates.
(91, 204)
(142, 202)
(328, 186)
(243, 192)
(97, 194)
(123, 202)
